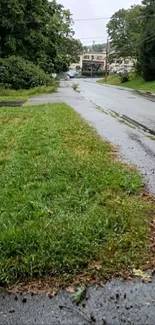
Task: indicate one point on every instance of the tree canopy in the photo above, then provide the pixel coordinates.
(95, 48)
(147, 47)
(39, 31)
(124, 30)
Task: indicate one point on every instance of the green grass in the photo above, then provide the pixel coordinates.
(65, 201)
(136, 83)
(22, 95)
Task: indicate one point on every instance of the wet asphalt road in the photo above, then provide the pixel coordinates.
(134, 146)
(122, 101)
(119, 302)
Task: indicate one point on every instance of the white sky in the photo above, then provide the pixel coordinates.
(96, 30)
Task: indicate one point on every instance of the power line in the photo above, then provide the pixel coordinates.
(94, 37)
(86, 19)
(106, 18)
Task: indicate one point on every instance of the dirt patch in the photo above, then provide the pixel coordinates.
(11, 104)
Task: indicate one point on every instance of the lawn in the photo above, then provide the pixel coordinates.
(22, 95)
(66, 203)
(135, 83)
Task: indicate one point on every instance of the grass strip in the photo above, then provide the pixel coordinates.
(136, 83)
(65, 201)
(22, 95)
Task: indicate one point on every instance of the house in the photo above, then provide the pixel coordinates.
(92, 60)
(122, 63)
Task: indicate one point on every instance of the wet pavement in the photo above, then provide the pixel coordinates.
(123, 101)
(117, 303)
(134, 145)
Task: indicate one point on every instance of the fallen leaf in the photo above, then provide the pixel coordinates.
(50, 212)
(146, 277)
(51, 294)
(79, 295)
(98, 267)
(70, 289)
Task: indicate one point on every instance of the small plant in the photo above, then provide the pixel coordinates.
(75, 86)
(124, 77)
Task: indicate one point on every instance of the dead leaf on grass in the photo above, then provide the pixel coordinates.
(70, 289)
(50, 211)
(145, 277)
(51, 294)
(98, 267)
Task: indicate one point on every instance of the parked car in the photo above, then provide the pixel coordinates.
(124, 70)
(72, 73)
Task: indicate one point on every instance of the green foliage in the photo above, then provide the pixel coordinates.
(132, 34)
(93, 73)
(147, 49)
(40, 31)
(65, 201)
(135, 82)
(22, 95)
(95, 48)
(17, 73)
(124, 77)
(124, 29)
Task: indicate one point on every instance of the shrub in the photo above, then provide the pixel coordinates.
(18, 73)
(124, 77)
(93, 73)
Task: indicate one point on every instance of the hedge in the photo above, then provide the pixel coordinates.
(18, 73)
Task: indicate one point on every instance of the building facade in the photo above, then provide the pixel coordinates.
(122, 63)
(95, 61)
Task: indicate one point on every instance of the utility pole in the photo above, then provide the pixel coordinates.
(106, 60)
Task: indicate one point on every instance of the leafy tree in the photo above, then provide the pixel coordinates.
(95, 48)
(40, 31)
(98, 47)
(147, 49)
(124, 30)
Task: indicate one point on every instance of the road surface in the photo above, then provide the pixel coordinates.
(97, 104)
(122, 101)
(117, 303)
(118, 107)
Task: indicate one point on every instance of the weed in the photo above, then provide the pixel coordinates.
(75, 86)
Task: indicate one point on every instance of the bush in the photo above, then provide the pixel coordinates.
(17, 73)
(124, 77)
(93, 73)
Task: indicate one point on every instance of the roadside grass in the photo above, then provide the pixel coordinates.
(22, 95)
(66, 203)
(136, 83)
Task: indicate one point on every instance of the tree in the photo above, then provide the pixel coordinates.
(147, 49)
(39, 31)
(124, 30)
(95, 48)
(98, 47)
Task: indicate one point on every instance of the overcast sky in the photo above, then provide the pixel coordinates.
(94, 30)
